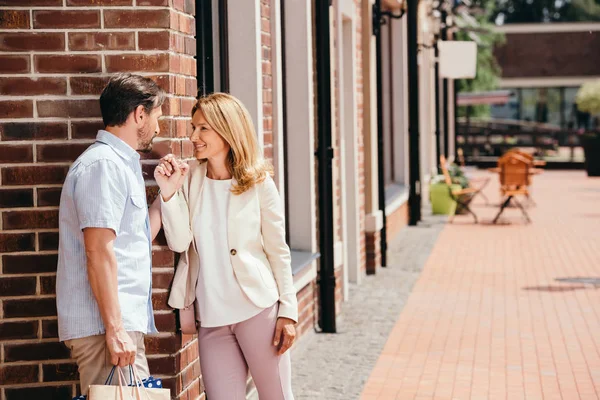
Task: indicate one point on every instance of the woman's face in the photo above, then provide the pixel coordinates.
(208, 144)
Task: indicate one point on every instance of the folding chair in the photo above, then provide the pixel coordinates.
(514, 176)
(462, 197)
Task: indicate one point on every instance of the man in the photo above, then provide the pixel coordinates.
(104, 278)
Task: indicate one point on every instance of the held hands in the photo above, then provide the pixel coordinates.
(170, 175)
(121, 348)
(285, 334)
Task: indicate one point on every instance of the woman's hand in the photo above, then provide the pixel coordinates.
(285, 334)
(170, 175)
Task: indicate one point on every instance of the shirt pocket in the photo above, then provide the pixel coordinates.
(139, 209)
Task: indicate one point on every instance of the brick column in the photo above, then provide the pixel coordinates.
(55, 57)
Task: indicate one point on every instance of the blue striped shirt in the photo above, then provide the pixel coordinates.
(104, 189)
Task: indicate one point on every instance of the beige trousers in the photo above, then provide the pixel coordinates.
(93, 360)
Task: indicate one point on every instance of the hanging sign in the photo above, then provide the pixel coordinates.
(458, 59)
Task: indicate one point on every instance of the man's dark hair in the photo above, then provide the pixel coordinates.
(124, 93)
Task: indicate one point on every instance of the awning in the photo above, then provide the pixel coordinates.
(476, 98)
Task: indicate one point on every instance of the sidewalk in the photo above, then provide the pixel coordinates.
(491, 316)
(336, 366)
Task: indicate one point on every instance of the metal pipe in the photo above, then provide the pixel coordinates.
(380, 139)
(325, 167)
(438, 139)
(224, 45)
(414, 197)
(204, 49)
(445, 93)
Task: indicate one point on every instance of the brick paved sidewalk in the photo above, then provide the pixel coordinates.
(491, 316)
(336, 366)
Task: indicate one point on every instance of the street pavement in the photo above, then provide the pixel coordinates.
(508, 311)
(336, 366)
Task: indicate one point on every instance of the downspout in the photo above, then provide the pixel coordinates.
(325, 167)
(414, 197)
(204, 46)
(438, 139)
(445, 93)
(224, 42)
(380, 139)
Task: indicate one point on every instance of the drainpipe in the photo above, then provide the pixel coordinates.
(204, 70)
(438, 139)
(380, 139)
(445, 93)
(414, 197)
(325, 167)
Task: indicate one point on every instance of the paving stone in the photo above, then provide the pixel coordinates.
(336, 366)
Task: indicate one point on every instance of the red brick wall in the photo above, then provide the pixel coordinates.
(373, 244)
(308, 301)
(361, 133)
(55, 57)
(267, 62)
(396, 221)
(548, 54)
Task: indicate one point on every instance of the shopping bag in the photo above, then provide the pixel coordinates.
(123, 392)
(150, 382)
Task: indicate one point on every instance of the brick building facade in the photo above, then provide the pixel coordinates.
(543, 65)
(55, 57)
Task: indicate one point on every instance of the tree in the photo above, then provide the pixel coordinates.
(532, 11)
(488, 70)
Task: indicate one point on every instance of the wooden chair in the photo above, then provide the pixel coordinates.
(514, 177)
(532, 168)
(478, 182)
(462, 197)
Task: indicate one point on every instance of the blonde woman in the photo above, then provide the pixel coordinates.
(224, 214)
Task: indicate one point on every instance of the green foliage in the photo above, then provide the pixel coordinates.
(588, 97)
(532, 11)
(488, 70)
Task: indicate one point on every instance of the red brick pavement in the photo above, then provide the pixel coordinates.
(488, 319)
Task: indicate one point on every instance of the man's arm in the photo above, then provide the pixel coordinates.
(102, 274)
(155, 218)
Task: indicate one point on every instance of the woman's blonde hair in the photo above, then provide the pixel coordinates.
(230, 119)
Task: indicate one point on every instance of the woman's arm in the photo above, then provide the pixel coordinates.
(171, 175)
(276, 249)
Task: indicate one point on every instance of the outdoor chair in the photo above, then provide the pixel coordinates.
(478, 182)
(514, 177)
(462, 197)
(533, 163)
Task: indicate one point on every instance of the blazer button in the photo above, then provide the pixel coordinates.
(233, 252)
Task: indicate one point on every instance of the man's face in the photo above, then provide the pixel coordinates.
(149, 129)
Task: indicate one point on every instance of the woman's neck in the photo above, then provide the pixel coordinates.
(217, 170)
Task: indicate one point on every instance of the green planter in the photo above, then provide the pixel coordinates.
(591, 149)
(441, 202)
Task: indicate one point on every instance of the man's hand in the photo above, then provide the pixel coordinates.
(285, 334)
(121, 348)
(170, 175)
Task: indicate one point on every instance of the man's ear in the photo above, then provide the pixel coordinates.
(138, 114)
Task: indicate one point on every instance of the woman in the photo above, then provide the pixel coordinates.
(224, 213)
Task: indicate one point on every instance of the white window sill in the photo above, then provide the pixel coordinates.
(396, 195)
(304, 268)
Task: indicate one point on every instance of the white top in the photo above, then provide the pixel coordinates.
(220, 300)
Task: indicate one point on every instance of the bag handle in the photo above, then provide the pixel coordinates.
(138, 383)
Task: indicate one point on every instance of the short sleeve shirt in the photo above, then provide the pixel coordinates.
(104, 189)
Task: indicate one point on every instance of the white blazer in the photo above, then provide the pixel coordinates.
(256, 233)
